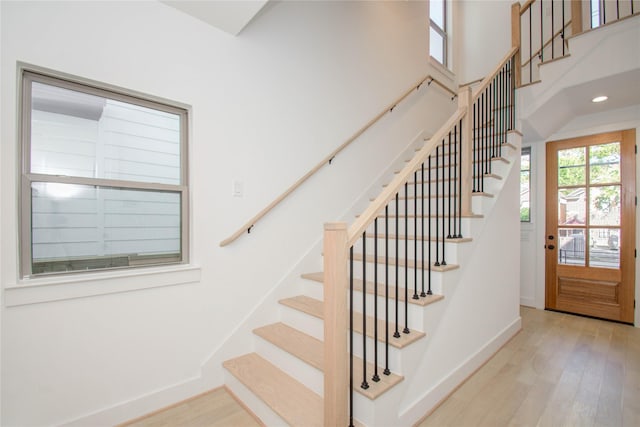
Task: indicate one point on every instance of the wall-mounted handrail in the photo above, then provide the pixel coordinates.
(247, 226)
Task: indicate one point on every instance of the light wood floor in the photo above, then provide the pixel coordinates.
(560, 370)
(217, 408)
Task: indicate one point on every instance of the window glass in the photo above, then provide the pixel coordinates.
(103, 185)
(438, 30)
(525, 184)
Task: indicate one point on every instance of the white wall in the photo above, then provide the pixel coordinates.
(265, 107)
(532, 250)
(484, 37)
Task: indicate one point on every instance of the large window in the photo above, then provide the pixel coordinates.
(525, 184)
(104, 178)
(438, 31)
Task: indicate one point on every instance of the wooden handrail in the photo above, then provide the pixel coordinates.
(246, 227)
(363, 221)
(526, 6)
(487, 80)
(537, 52)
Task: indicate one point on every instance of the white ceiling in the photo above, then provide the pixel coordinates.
(571, 102)
(227, 15)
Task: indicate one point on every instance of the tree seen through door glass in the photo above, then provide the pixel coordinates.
(604, 163)
(571, 167)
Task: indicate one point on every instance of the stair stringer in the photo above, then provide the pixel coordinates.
(240, 339)
(456, 345)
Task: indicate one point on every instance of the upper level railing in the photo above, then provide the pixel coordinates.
(401, 238)
(247, 226)
(546, 25)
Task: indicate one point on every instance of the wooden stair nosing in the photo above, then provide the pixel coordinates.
(504, 144)
(311, 351)
(286, 396)
(440, 196)
(440, 216)
(357, 286)
(420, 238)
(401, 262)
(314, 307)
(486, 175)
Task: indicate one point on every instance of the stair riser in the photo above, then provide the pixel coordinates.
(416, 312)
(404, 252)
(311, 377)
(412, 230)
(314, 327)
(437, 277)
(316, 290)
(258, 407)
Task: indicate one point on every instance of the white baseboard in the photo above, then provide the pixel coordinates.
(142, 405)
(528, 302)
(433, 397)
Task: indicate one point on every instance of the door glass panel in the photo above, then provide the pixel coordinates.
(571, 246)
(604, 206)
(571, 167)
(605, 247)
(572, 206)
(604, 162)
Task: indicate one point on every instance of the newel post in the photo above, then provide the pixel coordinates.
(336, 374)
(465, 101)
(516, 40)
(576, 17)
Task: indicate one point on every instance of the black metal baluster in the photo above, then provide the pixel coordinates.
(563, 28)
(429, 225)
(604, 12)
(474, 175)
(459, 235)
(415, 235)
(483, 139)
(541, 34)
(530, 47)
(437, 263)
(455, 183)
(632, 7)
(375, 377)
(443, 204)
(351, 337)
(406, 257)
(617, 9)
(365, 384)
(386, 290)
(396, 334)
(553, 33)
(449, 187)
(422, 294)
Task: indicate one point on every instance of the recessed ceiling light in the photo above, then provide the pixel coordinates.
(600, 98)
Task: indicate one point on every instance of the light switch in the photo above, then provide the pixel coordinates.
(238, 189)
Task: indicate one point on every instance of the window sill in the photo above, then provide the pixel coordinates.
(445, 73)
(40, 290)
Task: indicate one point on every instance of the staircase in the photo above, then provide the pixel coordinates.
(282, 381)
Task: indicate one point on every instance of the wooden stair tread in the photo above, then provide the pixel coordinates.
(504, 144)
(401, 262)
(440, 215)
(428, 239)
(290, 399)
(357, 285)
(311, 351)
(314, 307)
(486, 175)
(439, 196)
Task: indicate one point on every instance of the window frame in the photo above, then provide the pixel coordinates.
(27, 75)
(443, 33)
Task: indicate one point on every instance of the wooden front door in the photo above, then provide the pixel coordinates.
(590, 225)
